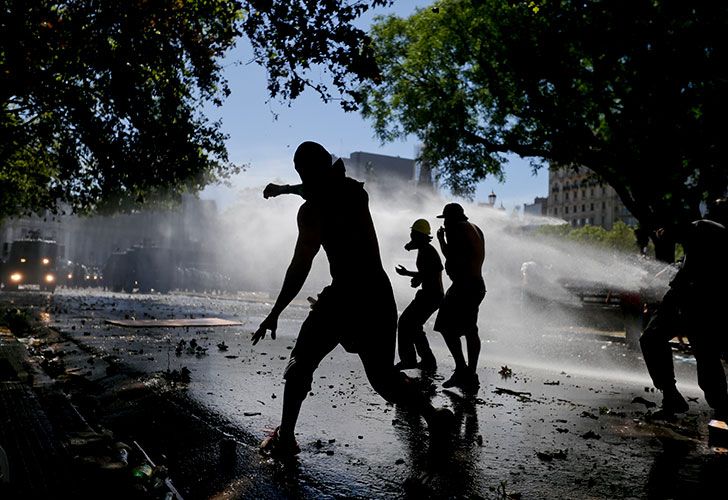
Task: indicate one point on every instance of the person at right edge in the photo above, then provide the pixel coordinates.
(463, 245)
(694, 306)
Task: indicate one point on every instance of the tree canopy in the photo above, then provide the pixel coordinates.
(635, 90)
(101, 101)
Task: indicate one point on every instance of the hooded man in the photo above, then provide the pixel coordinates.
(357, 310)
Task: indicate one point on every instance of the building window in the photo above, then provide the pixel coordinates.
(566, 195)
(583, 208)
(592, 206)
(566, 210)
(556, 210)
(592, 191)
(604, 205)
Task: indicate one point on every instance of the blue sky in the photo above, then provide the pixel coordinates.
(264, 133)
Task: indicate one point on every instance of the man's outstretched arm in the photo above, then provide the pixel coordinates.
(403, 271)
(307, 246)
(273, 190)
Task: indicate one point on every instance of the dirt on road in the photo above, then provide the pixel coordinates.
(572, 427)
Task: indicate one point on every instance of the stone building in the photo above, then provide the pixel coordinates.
(579, 197)
(385, 172)
(538, 207)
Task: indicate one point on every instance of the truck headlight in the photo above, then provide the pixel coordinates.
(15, 277)
(50, 278)
(46, 261)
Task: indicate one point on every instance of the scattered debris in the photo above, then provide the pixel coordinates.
(182, 376)
(521, 395)
(604, 410)
(591, 435)
(501, 390)
(641, 400)
(505, 372)
(503, 494)
(552, 382)
(155, 477)
(222, 346)
(549, 456)
(586, 414)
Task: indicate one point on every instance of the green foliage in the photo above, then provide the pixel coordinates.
(633, 90)
(100, 105)
(101, 102)
(621, 237)
(293, 37)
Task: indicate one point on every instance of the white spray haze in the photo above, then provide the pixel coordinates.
(259, 236)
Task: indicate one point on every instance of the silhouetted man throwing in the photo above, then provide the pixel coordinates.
(463, 246)
(411, 333)
(694, 305)
(357, 310)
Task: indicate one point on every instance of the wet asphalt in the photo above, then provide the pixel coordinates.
(573, 419)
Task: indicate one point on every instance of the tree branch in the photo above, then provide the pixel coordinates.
(504, 147)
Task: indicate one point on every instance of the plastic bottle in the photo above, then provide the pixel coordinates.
(142, 472)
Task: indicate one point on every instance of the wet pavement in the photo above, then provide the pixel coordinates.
(573, 419)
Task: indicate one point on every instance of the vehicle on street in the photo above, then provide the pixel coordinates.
(31, 262)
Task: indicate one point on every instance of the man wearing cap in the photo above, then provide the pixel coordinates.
(411, 333)
(357, 310)
(463, 245)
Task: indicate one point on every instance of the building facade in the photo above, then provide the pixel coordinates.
(383, 171)
(579, 197)
(538, 207)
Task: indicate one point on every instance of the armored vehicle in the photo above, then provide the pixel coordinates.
(31, 262)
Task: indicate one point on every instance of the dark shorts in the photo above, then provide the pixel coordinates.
(459, 309)
(363, 322)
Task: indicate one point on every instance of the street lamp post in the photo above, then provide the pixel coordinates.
(491, 199)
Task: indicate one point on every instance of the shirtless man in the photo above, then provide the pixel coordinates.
(357, 310)
(463, 245)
